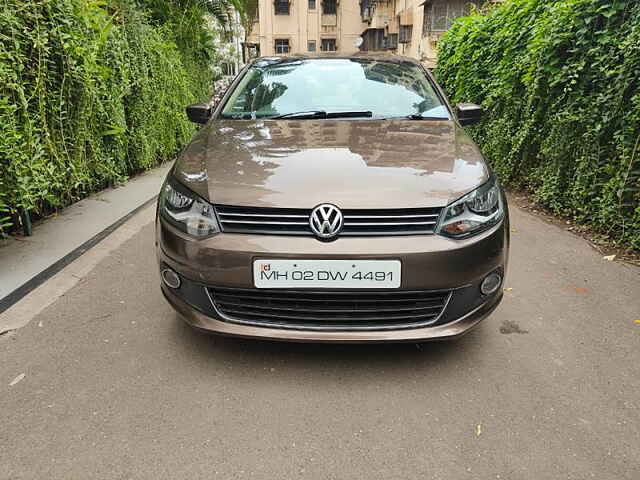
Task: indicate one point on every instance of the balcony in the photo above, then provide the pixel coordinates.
(329, 20)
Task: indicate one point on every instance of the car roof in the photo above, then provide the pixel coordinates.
(372, 56)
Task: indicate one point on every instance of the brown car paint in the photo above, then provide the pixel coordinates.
(351, 163)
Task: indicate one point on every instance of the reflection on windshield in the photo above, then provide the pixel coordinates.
(387, 89)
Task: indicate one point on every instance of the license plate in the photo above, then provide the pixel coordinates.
(277, 273)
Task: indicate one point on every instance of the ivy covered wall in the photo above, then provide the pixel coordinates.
(91, 92)
(560, 82)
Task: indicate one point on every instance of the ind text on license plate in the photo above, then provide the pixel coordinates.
(280, 273)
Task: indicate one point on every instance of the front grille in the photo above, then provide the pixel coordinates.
(330, 309)
(295, 221)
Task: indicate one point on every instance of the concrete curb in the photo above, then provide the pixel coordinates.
(29, 261)
(73, 269)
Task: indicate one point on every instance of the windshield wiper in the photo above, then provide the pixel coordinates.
(364, 113)
(322, 114)
(417, 116)
(305, 114)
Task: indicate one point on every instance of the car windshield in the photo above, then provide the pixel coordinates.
(313, 87)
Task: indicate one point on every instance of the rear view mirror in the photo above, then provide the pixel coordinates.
(199, 112)
(468, 113)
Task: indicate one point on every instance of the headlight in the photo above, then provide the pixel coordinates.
(474, 212)
(186, 211)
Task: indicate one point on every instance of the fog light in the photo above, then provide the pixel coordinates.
(491, 283)
(170, 278)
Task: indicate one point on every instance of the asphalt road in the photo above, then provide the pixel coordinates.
(115, 386)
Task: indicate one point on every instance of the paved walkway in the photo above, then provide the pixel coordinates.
(23, 258)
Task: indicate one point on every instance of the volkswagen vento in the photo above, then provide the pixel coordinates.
(333, 199)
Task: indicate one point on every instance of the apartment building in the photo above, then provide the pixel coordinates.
(406, 27)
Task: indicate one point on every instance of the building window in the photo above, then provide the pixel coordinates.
(329, 7)
(281, 7)
(440, 14)
(228, 68)
(252, 50)
(282, 46)
(312, 4)
(311, 46)
(365, 10)
(404, 35)
(328, 45)
(392, 40)
(373, 39)
(426, 19)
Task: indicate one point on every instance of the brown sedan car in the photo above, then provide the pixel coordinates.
(333, 199)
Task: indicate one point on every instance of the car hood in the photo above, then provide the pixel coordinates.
(352, 164)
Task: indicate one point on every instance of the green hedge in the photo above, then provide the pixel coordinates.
(90, 92)
(560, 80)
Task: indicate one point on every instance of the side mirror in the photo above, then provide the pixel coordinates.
(199, 112)
(468, 113)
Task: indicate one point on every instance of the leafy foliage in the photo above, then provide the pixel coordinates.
(559, 82)
(92, 91)
(248, 14)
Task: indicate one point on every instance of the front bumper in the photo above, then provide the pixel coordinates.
(447, 331)
(428, 263)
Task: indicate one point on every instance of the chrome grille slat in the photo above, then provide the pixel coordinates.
(386, 224)
(357, 222)
(384, 233)
(266, 231)
(261, 215)
(330, 309)
(252, 222)
(350, 217)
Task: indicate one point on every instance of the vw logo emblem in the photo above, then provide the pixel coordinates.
(326, 221)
